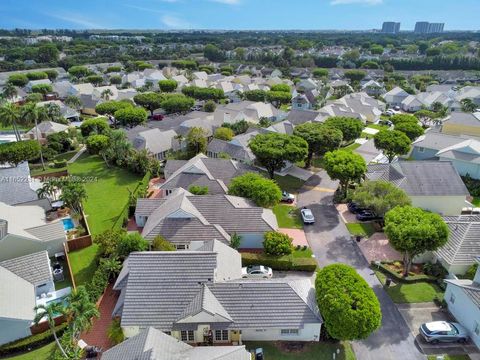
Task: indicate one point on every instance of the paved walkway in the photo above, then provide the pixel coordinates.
(77, 155)
(377, 248)
(298, 236)
(330, 242)
(97, 335)
(299, 173)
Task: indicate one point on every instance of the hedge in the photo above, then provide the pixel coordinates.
(31, 342)
(279, 263)
(398, 278)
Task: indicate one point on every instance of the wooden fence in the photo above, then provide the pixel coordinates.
(44, 326)
(79, 243)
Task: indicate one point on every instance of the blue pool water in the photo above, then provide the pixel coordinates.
(68, 224)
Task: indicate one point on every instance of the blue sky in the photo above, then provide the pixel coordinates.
(236, 14)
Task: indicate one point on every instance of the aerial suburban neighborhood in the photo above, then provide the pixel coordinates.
(170, 190)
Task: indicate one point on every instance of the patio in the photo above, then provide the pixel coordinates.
(298, 236)
(377, 248)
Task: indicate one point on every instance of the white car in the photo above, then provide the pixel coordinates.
(257, 272)
(307, 216)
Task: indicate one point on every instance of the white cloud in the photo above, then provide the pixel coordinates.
(228, 2)
(174, 22)
(363, 2)
(83, 22)
(141, 8)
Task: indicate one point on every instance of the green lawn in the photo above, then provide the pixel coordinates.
(476, 201)
(364, 229)
(450, 357)
(289, 183)
(307, 253)
(83, 264)
(311, 351)
(353, 146)
(37, 169)
(288, 216)
(366, 136)
(377, 126)
(412, 293)
(42, 353)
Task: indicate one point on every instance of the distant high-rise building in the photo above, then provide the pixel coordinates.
(390, 27)
(424, 27)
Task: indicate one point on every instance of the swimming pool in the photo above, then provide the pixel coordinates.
(68, 224)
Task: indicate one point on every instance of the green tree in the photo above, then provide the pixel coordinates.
(413, 231)
(392, 143)
(115, 79)
(78, 71)
(159, 243)
(42, 88)
(115, 332)
(403, 118)
(209, 106)
(320, 138)
(278, 98)
(94, 126)
(73, 101)
(107, 241)
(10, 116)
(412, 130)
(281, 88)
(213, 53)
(17, 152)
(80, 311)
(18, 79)
(32, 113)
(273, 150)
(468, 105)
(196, 141)
(380, 196)
(235, 241)
(351, 128)
(177, 103)
(110, 107)
(37, 75)
(131, 116)
(73, 194)
(52, 74)
(376, 49)
(198, 190)
(224, 133)
(355, 76)
(255, 95)
(131, 242)
(263, 192)
(9, 91)
(96, 143)
(344, 166)
(320, 73)
(149, 100)
(94, 79)
(277, 244)
(50, 312)
(167, 86)
(348, 305)
(425, 116)
(34, 98)
(48, 53)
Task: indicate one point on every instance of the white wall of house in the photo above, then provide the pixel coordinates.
(464, 310)
(443, 205)
(13, 329)
(12, 246)
(310, 332)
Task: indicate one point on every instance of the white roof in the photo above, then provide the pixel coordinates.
(17, 296)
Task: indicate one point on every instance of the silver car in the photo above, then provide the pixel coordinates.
(257, 272)
(443, 331)
(307, 216)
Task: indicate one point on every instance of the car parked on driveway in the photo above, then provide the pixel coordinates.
(443, 331)
(307, 216)
(257, 272)
(367, 215)
(157, 117)
(287, 197)
(354, 207)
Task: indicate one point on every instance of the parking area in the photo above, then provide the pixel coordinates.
(417, 314)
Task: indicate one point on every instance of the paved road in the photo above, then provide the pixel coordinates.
(330, 242)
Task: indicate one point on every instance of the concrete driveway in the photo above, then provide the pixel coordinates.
(417, 314)
(330, 242)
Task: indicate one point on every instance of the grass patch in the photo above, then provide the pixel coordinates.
(42, 353)
(318, 162)
(412, 293)
(364, 229)
(353, 146)
(377, 126)
(108, 190)
(83, 264)
(37, 169)
(476, 201)
(311, 351)
(288, 216)
(289, 183)
(450, 357)
(366, 136)
(298, 254)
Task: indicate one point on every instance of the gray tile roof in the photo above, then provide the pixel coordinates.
(465, 119)
(48, 232)
(437, 141)
(297, 117)
(420, 178)
(463, 242)
(35, 268)
(153, 344)
(235, 151)
(15, 185)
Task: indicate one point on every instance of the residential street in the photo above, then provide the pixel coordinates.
(330, 242)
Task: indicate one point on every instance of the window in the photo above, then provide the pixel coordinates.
(181, 247)
(452, 298)
(187, 335)
(421, 149)
(289, 332)
(476, 328)
(221, 335)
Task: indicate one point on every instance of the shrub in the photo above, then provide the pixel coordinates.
(42, 88)
(198, 190)
(470, 274)
(37, 75)
(235, 241)
(129, 243)
(209, 106)
(159, 243)
(58, 164)
(115, 332)
(96, 143)
(78, 71)
(264, 192)
(284, 263)
(167, 85)
(224, 133)
(348, 305)
(107, 241)
(276, 243)
(436, 270)
(99, 283)
(18, 79)
(97, 126)
(17, 152)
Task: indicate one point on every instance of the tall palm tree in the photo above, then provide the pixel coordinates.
(31, 113)
(468, 105)
(10, 116)
(80, 311)
(9, 91)
(105, 95)
(50, 312)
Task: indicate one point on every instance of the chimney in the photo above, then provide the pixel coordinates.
(3, 228)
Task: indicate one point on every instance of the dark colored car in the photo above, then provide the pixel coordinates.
(354, 207)
(367, 215)
(157, 117)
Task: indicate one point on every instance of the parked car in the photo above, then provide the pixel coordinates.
(367, 215)
(157, 117)
(257, 271)
(354, 207)
(443, 331)
(307, 216)
(287, 197)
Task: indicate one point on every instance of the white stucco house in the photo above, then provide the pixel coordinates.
(395, 96)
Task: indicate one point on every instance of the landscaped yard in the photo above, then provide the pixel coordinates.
(83, 264)
(42, 353)
(353, 146)
(310, 351)
(363, 229)
(450, 357)
(377, 126)
(289, 183)
(476, 201)
(37, 169)
(412, 293)
(288, 216)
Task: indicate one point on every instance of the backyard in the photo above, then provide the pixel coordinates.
(309, 351)
(37, 169)
(37, 354)
(288, 216)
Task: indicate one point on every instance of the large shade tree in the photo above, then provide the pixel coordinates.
(149, 100)
(344, 166)
(264, 192)
(413, 231)
(273, 150)
(351, 128)
(392, 143)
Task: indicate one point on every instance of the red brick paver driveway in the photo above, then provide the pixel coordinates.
(297, 235)
(97, 335)
(377, 248)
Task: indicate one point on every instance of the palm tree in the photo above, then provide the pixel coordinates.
(468, 105)
(73, 101)
(9, 91)
(112, 266)
(31, 113)
(73, 193)
(10, 116)
(50, 312)
(80, 311)
(105, 95)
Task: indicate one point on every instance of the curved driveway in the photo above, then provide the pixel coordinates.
(330, 242)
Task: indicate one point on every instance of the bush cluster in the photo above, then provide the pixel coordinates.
(284, 263)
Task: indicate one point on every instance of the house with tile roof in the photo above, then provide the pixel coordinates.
(182, 218)
(24, 230)
(460, 123)
(201, 170)
(43, 129)
(463, 301)
(154, 344)
(17, 185)
(156, 142)
(199, 297)
(22, 279)
(431, 185)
